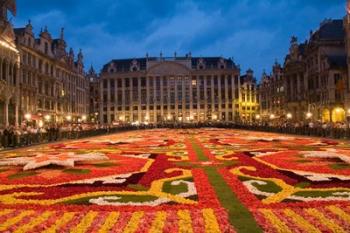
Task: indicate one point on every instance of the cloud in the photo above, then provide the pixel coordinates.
(254, 32)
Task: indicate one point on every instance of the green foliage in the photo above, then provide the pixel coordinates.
(302, 184)
(123, 199)
(77, 171)
(340, 166)
(106, 164)
(239, 216)
(137, 187)
(269, 187)
(174, 189)
(22, 174)
(314, 194)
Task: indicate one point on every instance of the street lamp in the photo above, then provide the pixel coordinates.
(272, 116)
(69, 118)
(83, 117)
(308, 115)
(257, 117)
(47, 118)
(41, 123)
(289, 116)
(28, 116)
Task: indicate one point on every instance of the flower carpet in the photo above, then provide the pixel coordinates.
(198, 180)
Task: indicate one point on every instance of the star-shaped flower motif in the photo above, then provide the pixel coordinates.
(67, 159)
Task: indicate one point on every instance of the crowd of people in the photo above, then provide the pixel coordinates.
(11, 137)
(339, 130)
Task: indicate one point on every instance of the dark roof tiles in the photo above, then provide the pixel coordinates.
(123, 65)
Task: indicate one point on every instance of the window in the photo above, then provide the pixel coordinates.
(46, 48)
(337, 78)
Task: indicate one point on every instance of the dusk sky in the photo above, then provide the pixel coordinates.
(254, 32)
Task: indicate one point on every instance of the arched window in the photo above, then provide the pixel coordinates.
(14, 74)
(4, 70)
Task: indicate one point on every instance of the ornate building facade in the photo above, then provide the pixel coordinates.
(9, 68)
(272, 93)
(53, 83)
(248, 107)
(314, 79)
(177, 89)
(94, 96)
(326, 72)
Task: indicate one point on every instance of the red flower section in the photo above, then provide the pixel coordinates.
(157, 171)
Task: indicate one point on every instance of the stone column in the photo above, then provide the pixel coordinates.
(219, 97)
(198, 99)
(139, 108)
(213, 108)
(147, 97)
(101, 102)
(16, 114)
(168, 93)
(116, 100)
(176, 99)
(155, 99)
(7, 101)
(131, 100)
(108, 101)
(239, 96)
(191, 96)
(183, 104)
(161, 97)
(226, 97)
(205, 99)
(123, 99)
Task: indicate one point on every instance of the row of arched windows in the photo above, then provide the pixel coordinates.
(8, 71)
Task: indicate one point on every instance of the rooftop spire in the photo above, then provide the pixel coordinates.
(62, 34)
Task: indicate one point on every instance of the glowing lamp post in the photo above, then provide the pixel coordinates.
(47, 118)
(69, 118)
(146, 119)
(83, 118)
(308, 115)
(28, 116)
(41, 124)
(272, 116)
(289, 116)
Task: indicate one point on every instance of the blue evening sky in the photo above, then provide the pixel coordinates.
(254, 32)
